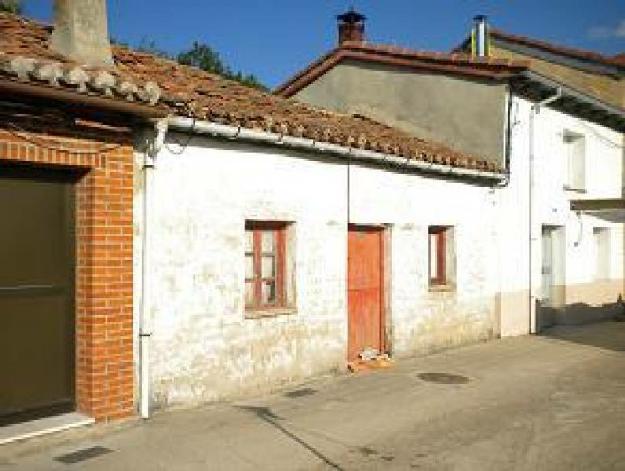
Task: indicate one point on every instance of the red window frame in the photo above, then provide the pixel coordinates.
(279, 252)
(439, 234)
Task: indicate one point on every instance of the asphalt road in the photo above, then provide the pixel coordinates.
(554, 402)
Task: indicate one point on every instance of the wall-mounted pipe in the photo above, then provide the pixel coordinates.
(244, 134)
(145, 319)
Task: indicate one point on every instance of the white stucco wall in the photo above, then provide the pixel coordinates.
(203, 347)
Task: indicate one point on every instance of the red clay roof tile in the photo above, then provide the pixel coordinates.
(190, 92)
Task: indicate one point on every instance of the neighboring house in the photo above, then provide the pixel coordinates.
(252, 242)
(559, 137)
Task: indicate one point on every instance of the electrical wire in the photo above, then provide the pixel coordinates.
(182, 146)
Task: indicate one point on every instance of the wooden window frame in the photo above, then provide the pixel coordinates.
(280, 235)
(441, 234)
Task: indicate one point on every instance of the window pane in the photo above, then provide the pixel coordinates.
(433, 256)
(249, 241)
(269, 292)
(268, 242)
(249, 294)
(268, 266)
(249, 266)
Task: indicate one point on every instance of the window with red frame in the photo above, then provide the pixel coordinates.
(265, 265)
(438, 240)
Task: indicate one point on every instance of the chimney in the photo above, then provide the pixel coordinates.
(81, 32)
(351, 26)
(479, 37)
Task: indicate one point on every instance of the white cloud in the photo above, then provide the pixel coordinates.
(607, 32)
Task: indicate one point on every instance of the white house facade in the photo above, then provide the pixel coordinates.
(576, 259)
(205, 343)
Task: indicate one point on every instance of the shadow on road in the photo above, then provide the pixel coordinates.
(266, 415)
(608, 335)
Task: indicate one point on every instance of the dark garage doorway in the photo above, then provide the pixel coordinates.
(37, 277)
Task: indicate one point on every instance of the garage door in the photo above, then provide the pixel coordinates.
(36, 294)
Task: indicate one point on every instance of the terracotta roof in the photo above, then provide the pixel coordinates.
(457, 64)
(190, 92)
(574, 53)
(25, 58)
(620, 59)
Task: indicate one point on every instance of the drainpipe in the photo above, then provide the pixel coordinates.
(145, 324)
(534, 110)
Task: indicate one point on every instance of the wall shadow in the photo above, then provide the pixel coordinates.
(602, 326)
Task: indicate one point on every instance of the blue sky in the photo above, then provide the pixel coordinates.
(273, 39)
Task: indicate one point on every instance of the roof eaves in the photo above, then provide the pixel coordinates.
(64, 77)
(572, 101)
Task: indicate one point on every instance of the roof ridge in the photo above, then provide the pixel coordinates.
(437, 55)
(554, 47)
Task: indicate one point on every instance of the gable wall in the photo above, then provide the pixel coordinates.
(464, 114)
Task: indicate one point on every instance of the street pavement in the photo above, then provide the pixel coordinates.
(550, 402)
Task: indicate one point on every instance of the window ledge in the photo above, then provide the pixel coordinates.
(442, 288)
(575, 190)
(270, 312)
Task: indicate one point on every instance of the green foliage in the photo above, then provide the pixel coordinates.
(11, 6)
(150, 47)
(206, 58)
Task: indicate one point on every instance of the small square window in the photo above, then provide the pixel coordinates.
(266, 265)
(441, 257)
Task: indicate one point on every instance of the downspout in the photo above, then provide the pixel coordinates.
(145, 322)
(534, 110)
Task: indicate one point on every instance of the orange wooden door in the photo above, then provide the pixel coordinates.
(365, 290)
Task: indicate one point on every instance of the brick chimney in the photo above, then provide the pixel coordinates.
(81, 32)
(351, 26)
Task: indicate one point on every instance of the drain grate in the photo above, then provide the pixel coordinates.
(300, 393)
(83, 455)
(443, 378)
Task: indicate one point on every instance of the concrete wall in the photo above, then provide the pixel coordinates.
(203, 346)
(584, 298)
(466, 115)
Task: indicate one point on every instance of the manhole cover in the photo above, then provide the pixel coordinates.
(83, 455)
(443, 378)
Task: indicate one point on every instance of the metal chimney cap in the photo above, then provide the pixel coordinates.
(480, 18)
(351, 16)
